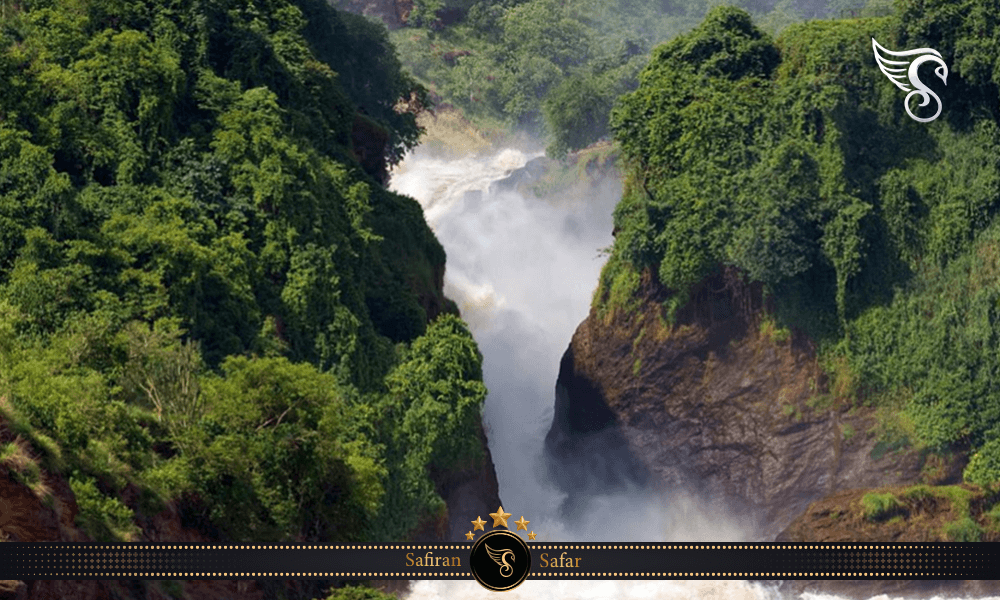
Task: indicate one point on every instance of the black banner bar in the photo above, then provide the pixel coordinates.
(24, 560)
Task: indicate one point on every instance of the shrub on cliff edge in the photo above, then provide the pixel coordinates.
(984, 465)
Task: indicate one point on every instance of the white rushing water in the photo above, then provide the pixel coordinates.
(523, 271)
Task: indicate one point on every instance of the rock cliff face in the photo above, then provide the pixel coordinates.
(721, 405)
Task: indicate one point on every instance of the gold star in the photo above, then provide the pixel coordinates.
(531, 535)
(522, 524)
(469, 535)
(500, 518)
(478, 524)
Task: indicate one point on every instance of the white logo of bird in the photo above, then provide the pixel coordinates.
(894, 70)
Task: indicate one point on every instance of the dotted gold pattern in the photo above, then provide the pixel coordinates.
(66, 560)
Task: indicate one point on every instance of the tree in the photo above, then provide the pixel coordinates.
(688, 134)
(544, 29)
(776, 238)
(576, 113)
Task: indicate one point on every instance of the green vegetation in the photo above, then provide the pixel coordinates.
(789, 409)
(794, 162)
(984, 465)
(551, 68)
(963, 530)
(538, 65)
(206, 294)
(359, 593)
(16, 457)
(104, 518)
(918, 492)
(621, 293)
(958, 496)
(880, 506)
(774, 333)
(994, 517)
(949, 513)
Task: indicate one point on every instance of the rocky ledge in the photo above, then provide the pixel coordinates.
(918, 513)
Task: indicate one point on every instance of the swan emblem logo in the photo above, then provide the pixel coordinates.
(903, 73)
(500, 558)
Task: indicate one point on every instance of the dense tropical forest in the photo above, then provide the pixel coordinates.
(792, 163)
(207, 297)
(555, 68)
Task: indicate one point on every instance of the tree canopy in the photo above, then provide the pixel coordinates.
(204, 287)
(794, 162)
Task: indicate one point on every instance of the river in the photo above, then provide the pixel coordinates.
(522, 271)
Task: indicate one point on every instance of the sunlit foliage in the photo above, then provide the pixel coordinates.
(205, 291)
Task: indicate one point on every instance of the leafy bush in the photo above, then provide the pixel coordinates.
(429, 420)
(102, 517)
(984, 465)
(963, 530)
(260, 463)
(576, 111)
(918, 492)
(934, 338)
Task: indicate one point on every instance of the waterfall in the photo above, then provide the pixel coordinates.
(522, 271)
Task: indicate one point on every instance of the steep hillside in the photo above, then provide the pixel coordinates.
(215, 321)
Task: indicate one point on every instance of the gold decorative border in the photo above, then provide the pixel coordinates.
(102, 555)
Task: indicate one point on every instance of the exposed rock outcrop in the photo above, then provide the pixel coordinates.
(719, 406)
(911, 514)
(902, 514)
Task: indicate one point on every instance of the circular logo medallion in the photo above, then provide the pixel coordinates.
(500, 561)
